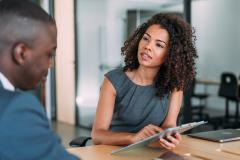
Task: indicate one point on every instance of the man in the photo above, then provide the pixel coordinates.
(27, 44)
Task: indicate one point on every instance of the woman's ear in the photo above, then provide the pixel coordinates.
(20, 53)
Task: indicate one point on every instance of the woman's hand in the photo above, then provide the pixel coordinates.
(170, 141)
(147, 131)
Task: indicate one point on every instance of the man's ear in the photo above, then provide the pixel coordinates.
(20, 53)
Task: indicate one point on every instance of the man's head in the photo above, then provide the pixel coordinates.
(27, 42)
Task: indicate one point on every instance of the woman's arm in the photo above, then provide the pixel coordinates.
(171, 119)
(175, 103)
(100, 131)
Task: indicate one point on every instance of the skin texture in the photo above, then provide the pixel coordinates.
(152, 50)
(28, 39)
(39, 58)
(26, 63)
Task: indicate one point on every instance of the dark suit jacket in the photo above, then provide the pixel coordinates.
(25, 133)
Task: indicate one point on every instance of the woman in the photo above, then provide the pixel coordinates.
(145, 96)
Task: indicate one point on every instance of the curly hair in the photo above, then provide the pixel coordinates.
(178, 70)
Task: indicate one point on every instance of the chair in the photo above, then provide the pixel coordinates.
(229, 89)
(79, 142)
(197, 110)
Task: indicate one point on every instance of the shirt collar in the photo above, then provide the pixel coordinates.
(6, 83)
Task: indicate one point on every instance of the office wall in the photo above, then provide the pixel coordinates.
(65, 61)
(217, 24)
(91, 28)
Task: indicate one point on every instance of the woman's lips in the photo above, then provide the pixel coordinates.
(145, 56)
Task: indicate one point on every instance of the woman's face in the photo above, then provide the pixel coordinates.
(153, 47)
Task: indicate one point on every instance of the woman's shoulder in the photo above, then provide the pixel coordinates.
(118, 70)
(115, 73)
(117, 77)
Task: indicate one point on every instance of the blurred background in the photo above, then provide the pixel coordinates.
(91, 34)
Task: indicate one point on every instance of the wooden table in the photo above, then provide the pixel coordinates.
(188, 149)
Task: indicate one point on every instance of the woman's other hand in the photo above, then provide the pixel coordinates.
(170, 141)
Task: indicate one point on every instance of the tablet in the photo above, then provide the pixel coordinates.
(169, 131)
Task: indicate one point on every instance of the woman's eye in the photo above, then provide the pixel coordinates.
(159, 45)
(145, 38)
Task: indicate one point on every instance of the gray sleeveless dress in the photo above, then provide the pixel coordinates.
(135, 106)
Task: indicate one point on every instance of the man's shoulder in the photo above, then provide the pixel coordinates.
(15, 94)
(25, 129)
(25, 98)
(18, 101)
(20, 113)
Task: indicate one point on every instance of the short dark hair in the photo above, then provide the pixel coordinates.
(19, 15)
(178, 70)
(24, 9)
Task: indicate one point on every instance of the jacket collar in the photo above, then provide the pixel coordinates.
(4, 83)
(1, 86)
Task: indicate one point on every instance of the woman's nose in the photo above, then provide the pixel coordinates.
(148, 46)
